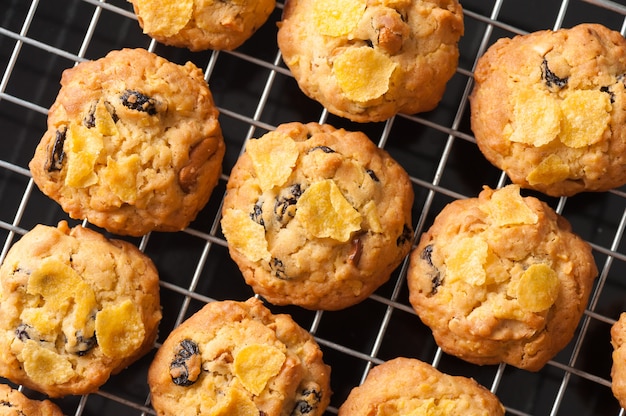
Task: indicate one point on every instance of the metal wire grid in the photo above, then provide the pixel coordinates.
(255, 92)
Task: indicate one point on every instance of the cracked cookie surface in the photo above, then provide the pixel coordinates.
(368, 60)
(549, 108)
(317, 216)
(133, 144)
(238, 358)
(75, 308)
(501, 278)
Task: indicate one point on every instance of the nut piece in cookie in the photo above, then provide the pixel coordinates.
(239, 358)
(551, 114)
(324, 227)
(369, 60)
(202, 24)
(501, 278)
(128, 151)
(75, 308)
(407, 386)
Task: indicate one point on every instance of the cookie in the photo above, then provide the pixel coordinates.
(549, 108)
(75, 308)
(407, 386)
(501, 278)
(317, 216)
(14, 403)
(202, 24)
(618, 369)
(133, 144)
(238, 358)
(369, 60)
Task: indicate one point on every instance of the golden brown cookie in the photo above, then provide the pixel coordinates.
(549, 108)
(501, 278)
(133, 143)
(407, 386)
(618, 370)
(369, 60)
(317, 216)
(75, 308)
(14, 403)
(237, 358)
(202, 24)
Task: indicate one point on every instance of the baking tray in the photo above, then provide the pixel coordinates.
(255, 92)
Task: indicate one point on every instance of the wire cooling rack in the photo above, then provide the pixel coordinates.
(255, 92)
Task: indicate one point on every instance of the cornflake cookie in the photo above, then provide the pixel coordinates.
(202, 24)
(368, 60)
(237, 358)
(407, 386)
(133, 144)
(618, 370)
(549, 109)
(501, 278)
(317, 216)
(14, 403)
(74, 309)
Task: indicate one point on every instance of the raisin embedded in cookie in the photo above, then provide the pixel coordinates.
(407, 386)
(317, 216)
(501, 278)
(202, 24)
(369, 60)
(75, 308)
(618, 369)
(133, 143)
(549, 108)
(237, 358)
(14, 403)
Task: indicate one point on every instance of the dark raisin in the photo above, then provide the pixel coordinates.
(550, 78)
(372, 175)
(23, 332)
(56, 155)
(257, 213)
(278, 269)
(137, 101)
(186, 366)
(356, 250)
(306, 402)
(89, 120)
(324, 149)
(608, 91)
(83, 344)
(427, 254)
(406, 236)
(436, 279)
(286, 201)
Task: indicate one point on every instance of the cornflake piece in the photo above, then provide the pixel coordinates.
(585, 117)
(119, 329)
(363, 74)
(337, 17)
(45, 366)
(256, 364)
(165, 17)
(373, 218)
(552, 169)
(121, 177)
(235, 403)
(105, 124)
(324, 212)
(84, 148)
(507, 207)
(468, 256)
(536, 117)
(266, 151)
(245, 235)
(538, 288)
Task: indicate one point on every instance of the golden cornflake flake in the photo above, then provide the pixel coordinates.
(45, 366)
(256, 364)
(507, 207)
(538, 288)
(120, 329)
(467, 259)
(237, 402)
(105, 124)
(536, 117)
(325, 213)
(363, 74)
(586, 116)
(245, 235)
(551, 170)
(165, 17)
(274, 156)
(84, 147)
(121, 177)
(337, 17)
